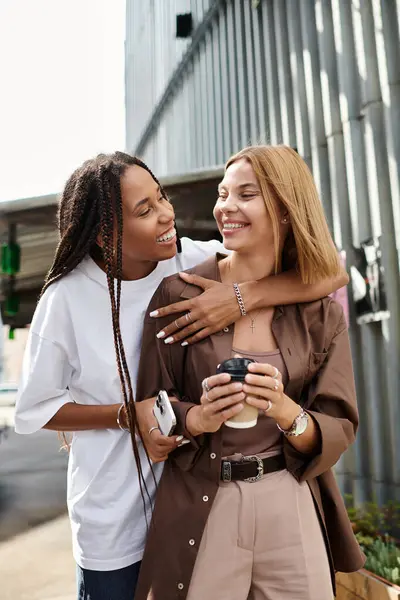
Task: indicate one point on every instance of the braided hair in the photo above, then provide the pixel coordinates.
(91, 204)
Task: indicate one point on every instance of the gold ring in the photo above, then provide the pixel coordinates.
(153, 429)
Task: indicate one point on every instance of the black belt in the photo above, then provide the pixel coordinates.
(251, 468)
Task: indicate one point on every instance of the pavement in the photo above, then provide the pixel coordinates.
(33, 479)
(35, 538)
(38, 564)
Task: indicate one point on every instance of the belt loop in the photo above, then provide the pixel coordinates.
(226, 471)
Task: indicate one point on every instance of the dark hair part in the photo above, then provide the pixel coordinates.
(90, 205)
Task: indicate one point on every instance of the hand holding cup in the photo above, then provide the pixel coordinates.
(221, 400)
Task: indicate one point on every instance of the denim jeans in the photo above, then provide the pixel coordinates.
(107, 585)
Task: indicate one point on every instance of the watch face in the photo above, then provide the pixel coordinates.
(301, 424)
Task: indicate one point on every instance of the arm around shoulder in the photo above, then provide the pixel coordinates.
(288, 288)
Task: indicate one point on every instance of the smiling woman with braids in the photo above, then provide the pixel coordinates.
(117, 243)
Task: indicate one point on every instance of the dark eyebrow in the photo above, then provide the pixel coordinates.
(145, 200)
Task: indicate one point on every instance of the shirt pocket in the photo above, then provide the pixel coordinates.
(315, 362)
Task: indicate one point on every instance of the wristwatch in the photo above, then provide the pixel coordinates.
(299, 425)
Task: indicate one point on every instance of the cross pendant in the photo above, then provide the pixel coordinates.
(252, 326)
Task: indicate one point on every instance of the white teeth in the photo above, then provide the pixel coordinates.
(234, 225)
(167, 236)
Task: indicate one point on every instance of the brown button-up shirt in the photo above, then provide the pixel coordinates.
(314, 344)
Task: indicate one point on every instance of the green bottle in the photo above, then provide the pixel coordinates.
(10, 259)
(11, 305)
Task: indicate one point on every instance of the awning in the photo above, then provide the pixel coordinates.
(193, 195)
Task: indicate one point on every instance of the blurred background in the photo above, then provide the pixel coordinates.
(184, 84)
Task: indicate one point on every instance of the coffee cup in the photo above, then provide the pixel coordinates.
(237, 369)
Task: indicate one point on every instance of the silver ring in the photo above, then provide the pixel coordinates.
(275, 374)
(153, 429)
(205, 386)
(188, 317)
(177, 324)
(269, 407)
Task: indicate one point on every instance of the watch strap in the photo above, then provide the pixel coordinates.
(293, 430)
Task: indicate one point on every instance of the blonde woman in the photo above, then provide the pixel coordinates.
(255, 513)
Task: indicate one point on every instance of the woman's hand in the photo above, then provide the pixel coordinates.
(264, 390)
(206, 314)
(221, 400)
(157, 445)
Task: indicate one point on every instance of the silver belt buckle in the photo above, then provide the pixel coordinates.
(260, 467)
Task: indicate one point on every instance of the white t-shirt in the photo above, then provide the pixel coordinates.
(71, 346)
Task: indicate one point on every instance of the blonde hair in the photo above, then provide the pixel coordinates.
(286, 180)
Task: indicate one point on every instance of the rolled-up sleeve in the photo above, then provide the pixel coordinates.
(331, 402)
(42, 391)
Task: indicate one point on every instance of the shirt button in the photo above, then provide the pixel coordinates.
(205, 498)
(192, 542)
(180, 586)
(213, 455)
(226, 329)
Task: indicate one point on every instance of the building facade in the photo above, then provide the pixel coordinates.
(322, 76)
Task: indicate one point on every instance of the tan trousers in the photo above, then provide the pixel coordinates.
(262, 541)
